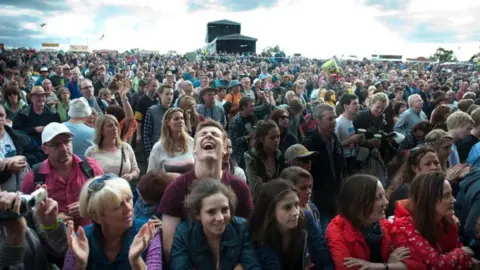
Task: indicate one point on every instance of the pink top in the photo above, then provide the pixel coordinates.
(154, 255)
(64, 192)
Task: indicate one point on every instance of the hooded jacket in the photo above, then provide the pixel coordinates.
(467, 206)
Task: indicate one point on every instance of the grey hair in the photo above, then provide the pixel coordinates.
(82, 81)
(321, 110)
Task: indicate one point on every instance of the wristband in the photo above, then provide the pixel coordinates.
(51, 227)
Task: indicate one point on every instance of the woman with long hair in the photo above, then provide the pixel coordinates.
(286, 237)
(212, 237)
(124, 113)
(230, 165)
(108, 149)
(264, 161)
(174, 151)
(63, 104)
(439, 117)
(115, 238)
(424, 223)
(420, 160)
(282, 118)
(359, 237)
(13, 101)
(303, 181)
(190, 114)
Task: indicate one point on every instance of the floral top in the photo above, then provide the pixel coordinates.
(446, 254)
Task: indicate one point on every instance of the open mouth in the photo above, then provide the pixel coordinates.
(208, 146)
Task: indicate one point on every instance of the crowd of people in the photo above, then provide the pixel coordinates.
(237, 162)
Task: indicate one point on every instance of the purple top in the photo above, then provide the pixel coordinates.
(154, 255)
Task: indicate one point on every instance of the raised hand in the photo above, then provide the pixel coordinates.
(78, 244)
(141, 241)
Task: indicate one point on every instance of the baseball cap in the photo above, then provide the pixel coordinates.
(52, 130)
(298, 151)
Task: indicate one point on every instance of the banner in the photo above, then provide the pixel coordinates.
(79, 48)
(50, 45)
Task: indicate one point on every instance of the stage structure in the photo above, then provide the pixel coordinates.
(224, 36)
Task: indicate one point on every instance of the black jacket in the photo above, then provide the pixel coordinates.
(24, 147)
(327, 173)
(26, 121)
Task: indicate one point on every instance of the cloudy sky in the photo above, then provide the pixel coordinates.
(316, 28)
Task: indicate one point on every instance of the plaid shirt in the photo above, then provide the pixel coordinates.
(237, 134)
(148, 133)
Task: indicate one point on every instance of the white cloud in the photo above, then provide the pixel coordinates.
(306, 26)
(12, 11)
(310, 27)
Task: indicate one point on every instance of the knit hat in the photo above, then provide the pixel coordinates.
(79, 108)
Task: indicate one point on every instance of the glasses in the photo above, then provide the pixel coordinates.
(58, 144)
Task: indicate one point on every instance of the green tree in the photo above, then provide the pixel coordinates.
(272, 50)
(444, 55)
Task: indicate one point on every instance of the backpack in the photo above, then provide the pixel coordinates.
(39, 179)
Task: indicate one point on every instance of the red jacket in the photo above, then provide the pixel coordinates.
(345, 241)
(446, 255)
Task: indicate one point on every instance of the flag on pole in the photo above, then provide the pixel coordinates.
(102, 36)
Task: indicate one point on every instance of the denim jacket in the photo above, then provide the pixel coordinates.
(315, 249)
(190, 248)
(97, 259)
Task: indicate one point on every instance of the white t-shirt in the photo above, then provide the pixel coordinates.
(345, 129)
(7, 148)
(160, 160)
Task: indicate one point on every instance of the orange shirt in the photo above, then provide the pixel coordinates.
(235, 100)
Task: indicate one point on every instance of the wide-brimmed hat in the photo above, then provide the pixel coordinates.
(38, 90)
(207, 90)
(439, 96)
(79, 108)
(234, 83)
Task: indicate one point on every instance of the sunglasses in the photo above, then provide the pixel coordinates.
(97, 184)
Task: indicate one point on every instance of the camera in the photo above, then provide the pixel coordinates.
(27, 204)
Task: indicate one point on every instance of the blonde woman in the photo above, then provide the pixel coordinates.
(106, 95)
(190, 115)
(108, 149)
(115, 236)
(64, 103)
(174, 151)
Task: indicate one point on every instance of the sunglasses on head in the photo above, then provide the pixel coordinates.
(97, 184)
